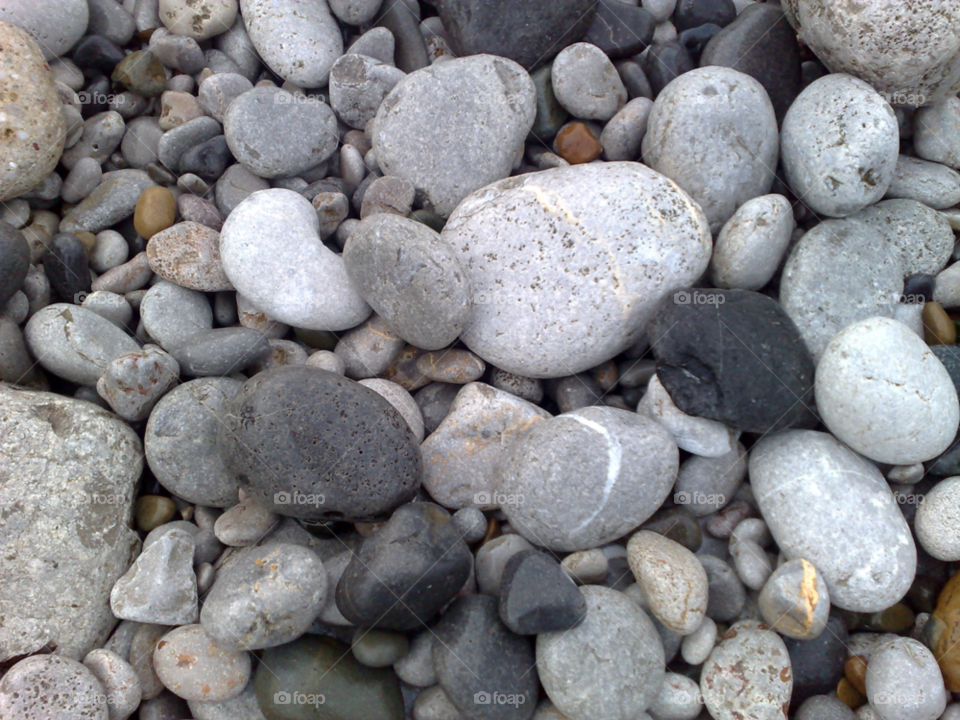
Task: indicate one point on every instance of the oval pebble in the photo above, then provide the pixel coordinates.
(194, 667)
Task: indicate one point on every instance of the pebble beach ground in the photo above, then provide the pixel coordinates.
(479, 360)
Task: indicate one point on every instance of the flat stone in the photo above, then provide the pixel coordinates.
(932, 184)
(114, 200)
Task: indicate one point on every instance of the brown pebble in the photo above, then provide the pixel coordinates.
(577, 144)
(153, 511)
(849, 695)
(451, 366)
(942, 633)
(188, 254)
(895, 619)
(156, 211)
(493, 531)
(938, 328)
(855, 670)
(88, 239)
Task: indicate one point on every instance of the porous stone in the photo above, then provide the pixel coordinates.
(198, 20)
(27, 691)
(922, 236)
(932, 184)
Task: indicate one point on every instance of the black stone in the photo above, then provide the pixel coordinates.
(95, 52)
(14, 261)
(694, 13)
(634, 79)
(476, 656)
(761, 44)
(65, 264)
(405, 572)
(734, 356)
(696, 39)
(537, 596)
(621, 30)
(94, 99)
(208, 159)
(818, 663)
(529, 32)
(664, 63)
(434, 402)
(948, 463)
(411, 49)
(678, 524)
(918, 289)
(310, 443)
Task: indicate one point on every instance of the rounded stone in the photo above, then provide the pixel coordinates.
(881, 391)
(691, 127)
(14, 261)
(610, 667)
(839, 145)
(309, 443)
(795, 600)
(587, 477)
(32, 128)
(826, 504)
(411, 278)
(119, 680)
(188, 254)
(358, 84)
(268, 597)
(586, 83)
(198, 20)
(573, 257)
(921, 235)
(930, 183)
(752, 243)
(376, 648)
(51, 687)
(194, 667)
(172, 314)
(904, 682)
(276, 134)
(937, 523)
(55, 25)
(401, 400)
(156, 210)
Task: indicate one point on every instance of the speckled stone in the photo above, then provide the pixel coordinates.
(689, 129)
(32, 127)
(879, 368)
(904, 682)
(134, 382)
(524, 243)
(55, 25)
(358, 84)
(194, 667)
(933, 184)
(198, 20)
(27, 691)
(852, 531)
(936, 521)
(188, 254)
(930, 242)
(118, 678)
(269, 427)
(585, 478)
(752, 243)
(795, 601)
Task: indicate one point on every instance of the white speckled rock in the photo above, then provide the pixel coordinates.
(271, 250)
(922, 236)
(574, 257)
(748, 675)
(673, 581)
(840, 272)
(912, 58)
(586, 83)
(32, 127)
(75, 343)
(936, 134)
(119, 679)
(50, 687)
(881, 391)
(610, 667)
(299, 41)
(713, 131)
(199, 19)
(587, 477)
(840, 142)
(937, 521)
(488, 105)
(56, 25)
(933, 184)
(752, 243)
(826, 504)
(904, 682)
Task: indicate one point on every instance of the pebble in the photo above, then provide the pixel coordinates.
(586, 83)
(25, 690)
(587, 567)
(752, 243)
(700, 436)
(576, 143)
(217, 92)
(160, 587)
(561, 208)
(671, 578)
(705, 485)
(876, 367)
(623, 134)
(609, 667)
(55, 25)
(244, 524)
(453, 366)
(817, 289)
(476, 655)
(299, 44)
(272, 253)
(176, 142)
(32, 127)
(528, 34)
(935, 133)
(81, 181)
(155, 211)
(930, 183)
(904, 681)
(852, 532)
(220, 352)
(358, 85)
(488, 105)
(65, 265)
(265, 129)
(734, 356)
(189, 254)
(839, 110)
(119, 680)
(621, 29)
(198, 20)
(14, 261)
(795, 601)
(683, 135)
(369, 350)
(269, 597)
(492, 559)
(152, 511)
(934, 522)
(142, 73)
(134, 382)
(679, 698)
(666, 60)
(194, 667)
(102, 134)
(747, 674)
(932, 243)
(818, 663)
(423, 577)
(697, 645)
(114, 200)
(416, 667)
(172, 314)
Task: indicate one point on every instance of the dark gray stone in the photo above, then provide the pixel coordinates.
(14, 261)
(620, 29)
(694, 13)
(434, 402)
(537, 596)
(65, 264)
(220, 352)
(665, 63)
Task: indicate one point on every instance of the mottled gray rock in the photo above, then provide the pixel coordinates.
(358, 84)
(50, 687)
(623, 133)
(299, 43)
(215, 673)
(271, 251)
(217, 92)
(274, 133)
(176, 142)
(679, 696)
(71, 533)
(936, 134)
(705, 485)
(172, 314)
(55, 25)
(134, 382)
(75, 343)
(544, 282)
(355, 12)
(221, 352)
(839, 145)
(141, 142)
(114, 200)
(610, 667)
(102, 134)
(840, 272)
(795, 600)
(831, 507)
(752, 243)
(921, 235)
(235, 186)
(586, 83)
(245, 523)
(933, 184)
(240, 707)
(119, 680)
(81, 181)
(671, 578)
(488, 105)
(585, 478)
(904, 682)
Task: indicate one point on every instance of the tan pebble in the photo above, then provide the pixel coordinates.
(452, 366)
(938, 328)
(156, 211)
